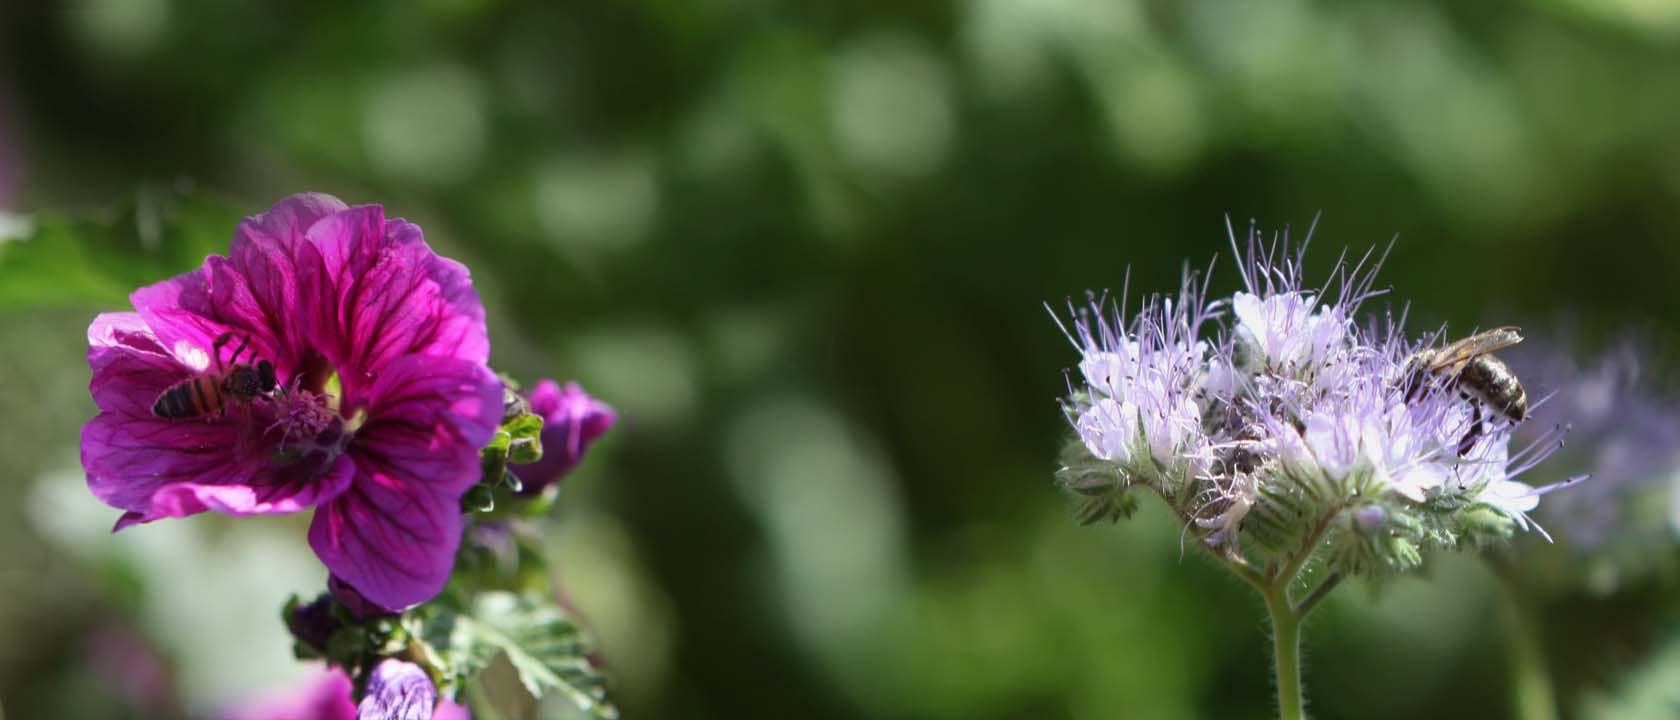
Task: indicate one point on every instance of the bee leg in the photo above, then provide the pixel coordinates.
(1468, 442)
(216, 347)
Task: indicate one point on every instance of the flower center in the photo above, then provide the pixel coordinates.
(301, 414)
(308, 422)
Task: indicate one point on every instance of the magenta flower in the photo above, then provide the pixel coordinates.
(572, 420)
(327, 697)
(378, 348)
(323, 697)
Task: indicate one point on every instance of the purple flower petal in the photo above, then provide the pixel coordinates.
(162, 468)
(355, 602)
(572, 420)
(398, 690)
(189, 312)
(373, 291)
(264, 250)
(129, 365)
(325, 697)
(394, 533)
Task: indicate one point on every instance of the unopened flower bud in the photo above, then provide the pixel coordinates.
(1370, 519)
(572, 421)
(312, 623)
(398, 690)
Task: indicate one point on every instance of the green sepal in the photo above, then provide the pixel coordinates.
(512, 482)
(524, 438)
(478, 498)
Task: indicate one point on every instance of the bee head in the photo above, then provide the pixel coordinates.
(265, 375)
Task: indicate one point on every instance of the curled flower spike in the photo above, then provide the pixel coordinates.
(379, 404)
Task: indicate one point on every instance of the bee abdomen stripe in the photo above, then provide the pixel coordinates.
(168, 404)
(202, 403)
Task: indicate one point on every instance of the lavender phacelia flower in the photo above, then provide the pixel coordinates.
(1277, 426)
(572, 421)
(1625, 432)
(380, 402)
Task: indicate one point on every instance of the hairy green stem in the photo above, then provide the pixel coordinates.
(1286, 615)
(1286, 650)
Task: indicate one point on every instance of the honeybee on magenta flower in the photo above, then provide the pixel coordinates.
(214, 390)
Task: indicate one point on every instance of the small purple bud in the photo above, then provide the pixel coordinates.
(572, 420)
(313, 623)
(353, 601)
(398, 690)
(1370, 518)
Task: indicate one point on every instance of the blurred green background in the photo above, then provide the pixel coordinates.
(804, 248)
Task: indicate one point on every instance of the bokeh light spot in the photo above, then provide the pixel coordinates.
(890, 106)
(123, 28)
(825, 495)
(427, 126)
(601, 200)
(648, 373)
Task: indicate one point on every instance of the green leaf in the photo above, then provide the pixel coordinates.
(99, 258)
(545, 647)
(539, 640)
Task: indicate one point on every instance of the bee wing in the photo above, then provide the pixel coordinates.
(1482, 343)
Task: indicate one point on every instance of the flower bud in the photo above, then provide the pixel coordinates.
(572, 421)
(1370, 519)
(312, 624)
(398, 690)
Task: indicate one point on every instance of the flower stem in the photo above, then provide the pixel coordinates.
(1531, 682)
(479, 702)
(1286, 650)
